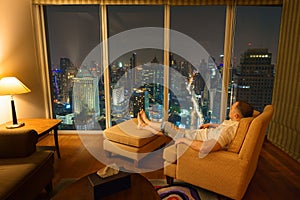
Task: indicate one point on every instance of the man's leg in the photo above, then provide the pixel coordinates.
(166, 128)
(173, 131)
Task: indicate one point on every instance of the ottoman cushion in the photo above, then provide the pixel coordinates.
(129, 134)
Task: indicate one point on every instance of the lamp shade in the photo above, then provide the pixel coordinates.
(12, 86)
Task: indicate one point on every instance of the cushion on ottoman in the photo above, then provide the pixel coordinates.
(129, 134)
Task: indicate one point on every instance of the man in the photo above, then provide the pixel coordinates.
(210, 137)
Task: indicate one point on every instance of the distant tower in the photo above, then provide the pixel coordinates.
(133, 61)
(86, 93)
(138, 101)
(198, 83)
(254, 78)
(64, 83)
(172, 61)
(152, 76)
(119, 103)
(118, 95)
(131, 71)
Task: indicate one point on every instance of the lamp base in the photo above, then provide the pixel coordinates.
(11, 126)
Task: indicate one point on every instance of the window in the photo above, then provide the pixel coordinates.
(72, 32)
(197, 99)
(136, 62)
(136, 72)
(254, 58)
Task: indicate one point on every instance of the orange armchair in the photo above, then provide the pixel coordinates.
(226, 172)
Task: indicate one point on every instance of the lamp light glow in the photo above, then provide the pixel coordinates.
(12, 86)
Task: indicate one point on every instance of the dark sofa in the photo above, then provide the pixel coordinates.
(24, 171)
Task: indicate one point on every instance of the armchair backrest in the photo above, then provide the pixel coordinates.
(254, 139)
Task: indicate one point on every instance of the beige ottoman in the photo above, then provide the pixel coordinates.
(125, 139)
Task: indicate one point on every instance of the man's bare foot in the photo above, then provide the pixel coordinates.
(141, 123)
(144, 126)
(144, 117)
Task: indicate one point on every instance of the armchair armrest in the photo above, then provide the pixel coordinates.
(210, 162)
(17, 142)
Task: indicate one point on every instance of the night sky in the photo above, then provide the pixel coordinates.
(74, 30)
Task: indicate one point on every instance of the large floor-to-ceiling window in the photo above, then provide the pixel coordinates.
(136, 58)
(253, 63)
(136, 69)
(199, 63)
(72, 33)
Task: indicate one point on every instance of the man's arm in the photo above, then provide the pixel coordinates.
(203, 147)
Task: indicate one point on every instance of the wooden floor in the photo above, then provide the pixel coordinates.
(277, 175)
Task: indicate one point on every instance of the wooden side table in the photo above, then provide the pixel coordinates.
(42, 127)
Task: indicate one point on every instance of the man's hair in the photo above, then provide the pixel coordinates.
(245, 108)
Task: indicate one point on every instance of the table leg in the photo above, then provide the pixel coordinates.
(56, 141)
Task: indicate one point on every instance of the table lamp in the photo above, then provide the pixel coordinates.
(12, 86)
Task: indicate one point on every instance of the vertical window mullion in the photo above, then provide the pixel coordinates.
(228, 47)
(105, 65)
(166, 58)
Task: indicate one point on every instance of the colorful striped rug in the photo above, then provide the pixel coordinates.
(181, 191)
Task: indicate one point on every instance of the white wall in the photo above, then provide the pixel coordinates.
(18, 58)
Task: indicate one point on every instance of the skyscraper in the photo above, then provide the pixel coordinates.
(68, 72)
(131, 71)
(119, 108)
(86, 93)
(138, 101)
(254, 78)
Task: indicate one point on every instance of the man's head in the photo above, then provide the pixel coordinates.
(239, 110)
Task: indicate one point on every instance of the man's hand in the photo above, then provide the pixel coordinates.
(204, 126)
(208, 126)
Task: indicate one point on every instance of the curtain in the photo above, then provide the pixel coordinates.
(64, 2)
(285, 126)
(161, 2)
(103, 2)
(42, 58)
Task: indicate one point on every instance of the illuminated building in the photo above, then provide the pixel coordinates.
(86, 93)
(254, 78)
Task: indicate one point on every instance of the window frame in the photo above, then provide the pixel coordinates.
(41, 45)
